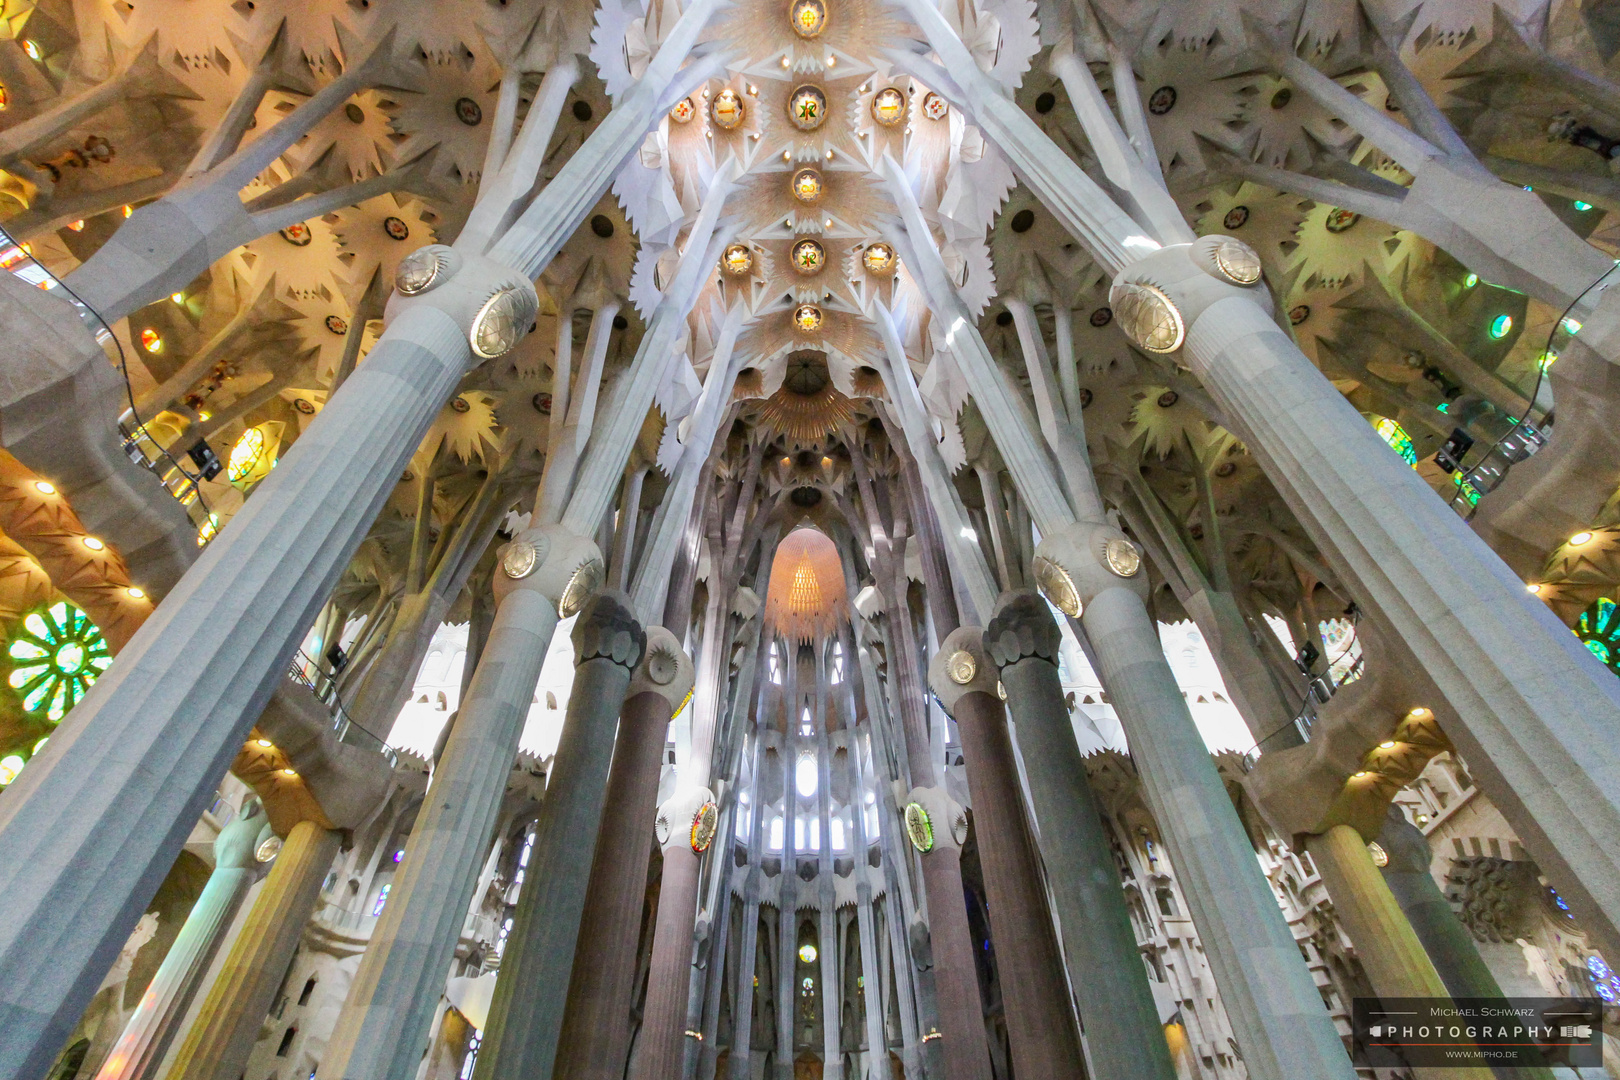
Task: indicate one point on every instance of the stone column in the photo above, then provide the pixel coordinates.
(1123, 1034)
(218, 1044)
(140, 1048)
(1386, 945)
(1449, 945)
(1040, 1024)
(1276, 1011)
(661, 1046)
(526, 1016)
(595, 1037)
(386, 1020)
(88, 831)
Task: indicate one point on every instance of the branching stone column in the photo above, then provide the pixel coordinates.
(218, 1044)
(526, 1016)
(140, 1048)
(1534, 707)
(1110, 982)
(1093, 572)
(595, 1037)
(661, 1046)
(385, 1022)
(1040, 1024)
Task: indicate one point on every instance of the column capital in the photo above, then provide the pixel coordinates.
(1022, 627)
(237, 845)
(665, 670)
(1075, 564)
(553, 562)
(493, 304)
(960, 667)
(1157, 298)
(607, 629)
(677, 822)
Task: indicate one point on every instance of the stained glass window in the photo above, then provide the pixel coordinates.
(57, 654)
(1599, 629)
(1398, 439)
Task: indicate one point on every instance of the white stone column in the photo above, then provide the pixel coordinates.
(157, 1017)
(1534, 709)
(87, 832)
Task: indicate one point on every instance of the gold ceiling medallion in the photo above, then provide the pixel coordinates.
(879, 259)
(683, 112)
(807, 186)
(1148, 316)
(737, 260)
(727, 109)
(807, 107)
(809, 17)
(888, 106)
(809, 257)
(807, 318)
(935, 107)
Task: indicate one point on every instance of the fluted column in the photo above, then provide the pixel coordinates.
(595, 1035)
(1386, 945)
(661, 1046)
(218, 1044)
(101, 813)
(526, 1016)
(1123, 1034)
(1040, 1024)
(146, 1036)
(385, 1023)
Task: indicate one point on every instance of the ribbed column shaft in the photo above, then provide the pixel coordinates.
(526, 1016)
(218, 1044)
(1386, 945)
(384, 1026)
(1040, 1024)
(95, 821)
(596, 1028)
(146, 1036)
(661, 1047)
(1123, 1034)
(1275, 1008)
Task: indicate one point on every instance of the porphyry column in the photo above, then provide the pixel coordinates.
(661, 1046)
(218, 1044)
(596, 1027)
(140, 1048)
(1040, 1024)
(526, 1016)
(385, 1022)
(1123, 1034)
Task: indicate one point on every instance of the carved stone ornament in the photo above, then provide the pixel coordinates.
(520, 559)
(1122, 557)
(961, 667)
(1148, 316)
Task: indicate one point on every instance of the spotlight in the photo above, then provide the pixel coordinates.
(1580, 538)
(44, 487)
(94, 544)
(1533, 588)
(1387, 744)
(135, 594)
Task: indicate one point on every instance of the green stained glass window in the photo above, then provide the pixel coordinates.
(1398, 439)
(57, 654)
(1599, 629)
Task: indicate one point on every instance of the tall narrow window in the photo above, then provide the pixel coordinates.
(382, 898)
(836, 828)
(806, 727)
(774, 662)
(776, 837)
(309, 988)
(286, 1041)
(837, 662)
(806, 777)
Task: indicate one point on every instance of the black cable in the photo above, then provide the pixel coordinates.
(123, 371)
(1541, 374)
